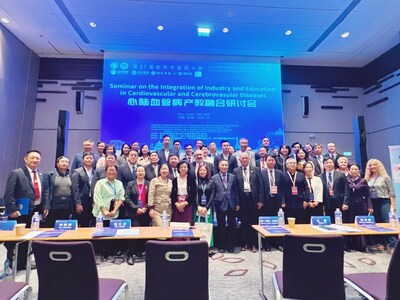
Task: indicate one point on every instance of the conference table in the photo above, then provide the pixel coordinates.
(85, 234)
(307, 229)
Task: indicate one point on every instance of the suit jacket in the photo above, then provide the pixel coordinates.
(161, 155)
(336, 158)
(125, 174)
(231, 161)
(192, 168)
(272, 202)
(19, 185)
(303, 191)
(81, 187)
(317, 167)
(191, 190)
(256, 187)
(280, 163)
(341, 190)
(150, 173)
(222, 197)
(99, 173)
(77, 162)
(131, 197)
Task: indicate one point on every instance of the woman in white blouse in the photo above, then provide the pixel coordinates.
(315, 206)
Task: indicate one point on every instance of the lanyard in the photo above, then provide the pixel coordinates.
(294, 179)
(140, 190)
(203, 187)
(113, 188)
(376, 178)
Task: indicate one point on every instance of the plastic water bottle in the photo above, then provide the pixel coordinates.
(99, 221)
(338, 217)
(164, 220)
(35, 224)
(281, 217)
(394, 221)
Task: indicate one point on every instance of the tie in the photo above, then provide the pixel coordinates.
(330, 178)
(271, 175)
(332, 156)
(36, 186)
(224, 180)
(133, 171)
(188, 159)
(174, 170)
(263, 164)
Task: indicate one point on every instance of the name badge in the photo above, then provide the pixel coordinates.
(294, 191)
(312, 197)
(331, 191)
(274, 190)
(203, 200)
(372, 193)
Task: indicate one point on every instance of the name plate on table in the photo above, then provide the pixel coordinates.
(182, 233)
(320, 220)
(8, 225)
(365, 220)
(66, 225)
(268, 221)
(120, 224)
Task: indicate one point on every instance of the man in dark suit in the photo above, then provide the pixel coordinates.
(296, 192)
(331, 148)
(261, 162)
(251, 199)
(127, 172)
(152, 168)
(81, 180)
(173, 161)
(26, 182)
(188, 154)
(272, 181)
(336, 190)
(226, 204)
(225, 155)
(166, 151)
(87, 148)
(199, 161)
(317, 159)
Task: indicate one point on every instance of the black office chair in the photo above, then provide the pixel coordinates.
(380, 285)
(67, 270)
(176, 263)
(312, 268)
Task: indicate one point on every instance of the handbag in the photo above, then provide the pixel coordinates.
(206, 230)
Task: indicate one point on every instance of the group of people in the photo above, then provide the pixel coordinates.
(240, 185)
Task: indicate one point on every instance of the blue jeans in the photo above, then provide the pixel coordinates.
(381, 208)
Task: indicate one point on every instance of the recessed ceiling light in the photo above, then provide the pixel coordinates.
(345, 34)
(203, 31)
(225, 30)
(160, 27)
(92, 24)
(288, 32)
(5, 20)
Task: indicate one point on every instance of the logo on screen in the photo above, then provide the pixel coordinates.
(114, 65)
(124, 66)
(198, 74)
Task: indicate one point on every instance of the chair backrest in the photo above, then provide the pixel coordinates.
(66, 270)
(393, 275)
(313, 267)
(176, 270)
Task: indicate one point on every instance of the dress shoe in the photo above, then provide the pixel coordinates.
(267, 248)
(130, 260)
(347, 249)
(254, 249)
(231, 250)
(221, 250)
(280, 248)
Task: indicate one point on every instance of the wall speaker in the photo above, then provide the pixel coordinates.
(79, 101)
(62, 133)
(305, 106)
(360, 141)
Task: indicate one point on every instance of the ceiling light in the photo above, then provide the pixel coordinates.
(225, 30)
(288, 32)
(203, 32)
(92, 24)
(5, 20)
(345, 34)
(160, 27)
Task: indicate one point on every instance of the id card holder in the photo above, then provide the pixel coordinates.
(203, 200)
(274, 189)
(294, 191)
(372, 193)
(311, 197)
(331, 191)
(140, 203)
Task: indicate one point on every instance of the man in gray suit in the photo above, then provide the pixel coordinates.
(166, 151)
(26, 182)
(226, 204)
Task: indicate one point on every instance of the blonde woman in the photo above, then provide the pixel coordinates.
(382, 196)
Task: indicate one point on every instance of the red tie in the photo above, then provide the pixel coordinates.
(189, 159)
(36, 186)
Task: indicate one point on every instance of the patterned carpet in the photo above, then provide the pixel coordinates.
(232, 276)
